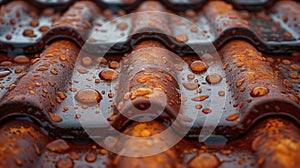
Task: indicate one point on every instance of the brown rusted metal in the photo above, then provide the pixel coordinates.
(276, 143)
(148, 85)
(37, 92)
(47, 99)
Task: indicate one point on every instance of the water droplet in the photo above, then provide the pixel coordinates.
(58, 146)
(18, 70)
(91, 157)
(194, 29)
(110, 142)
(54, 71)
(221, 93)
(34, 23)
(114, 65)
(198, 67)
(103, 152)
(82, 71)
(109, 74)
(190, 85)
(294, 75)
(21, 59)
(259, 91)
(200, 98)
(28, 33)
(19, 162)
(42, 68)
(43, 28)
(286, 62)
(61, 95)
(198, 106)
(295, 67)
(178, 67)
(55, 118)
(191, 76)
(64, 163)
(213, 78)
(204, 160)
(206, 111)
(239, 83)
(233, 117)
(86, 61)
(89, 96)
(122, 26)
(4, 73)
(181, 38)
(6, 63)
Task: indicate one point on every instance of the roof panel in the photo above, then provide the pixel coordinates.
(194, 83)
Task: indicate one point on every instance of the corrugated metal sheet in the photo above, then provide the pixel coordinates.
(56, 90)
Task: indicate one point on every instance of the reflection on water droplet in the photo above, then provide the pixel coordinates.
(4, 73)
(259, 91)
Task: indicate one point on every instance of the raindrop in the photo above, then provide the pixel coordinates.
(239, 83)
(90, 96)
(190, 85)
(4, 73)
(221, 93)
(259, 91)
(110, 142)
(28, 33)
(206, 111)
(54, 117)
(233, 117)
(86, 61)
(6, 63)
(109, 74)
(122, 26)
(18, 70)
(58, 146)
(91, 157)
(200, 98)
(204, 160)
(213, 78)
(198, 67)
(191, 76)
(21, 59)
(64, 163)
(114, 65)
(181, 38)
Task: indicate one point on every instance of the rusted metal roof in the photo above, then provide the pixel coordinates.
(74, 75)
